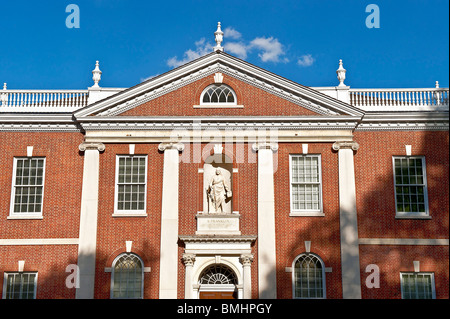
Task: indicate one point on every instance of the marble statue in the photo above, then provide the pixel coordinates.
(218, 190)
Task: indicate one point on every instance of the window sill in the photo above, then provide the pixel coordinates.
(306, 214)
(412, 217)
(129, 214)
(25, 217)
(218, 106)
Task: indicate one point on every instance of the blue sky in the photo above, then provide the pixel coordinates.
(299, 40)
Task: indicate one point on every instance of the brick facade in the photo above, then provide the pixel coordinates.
(375, 202)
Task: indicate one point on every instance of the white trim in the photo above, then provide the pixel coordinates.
(129, 213)
(306, 212)
(404, 241)
(38, 241)
(34, 215)
(433, 286)
(408, 215)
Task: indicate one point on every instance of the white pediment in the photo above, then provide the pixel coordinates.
(210, 65)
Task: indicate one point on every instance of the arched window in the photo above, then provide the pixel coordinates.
(218, 94)
(127, 281)
(308, 277)
(218, 274)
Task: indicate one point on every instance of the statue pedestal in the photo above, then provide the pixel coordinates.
(218, 224)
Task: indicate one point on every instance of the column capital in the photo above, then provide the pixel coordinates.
(171, 145)
(91, 146)
(188, 259)
(246, 259)
(346, 145)
(265, 146)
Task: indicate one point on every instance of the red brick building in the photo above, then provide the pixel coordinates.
(220, 179)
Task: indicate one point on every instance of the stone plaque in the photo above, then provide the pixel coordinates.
(218, 224)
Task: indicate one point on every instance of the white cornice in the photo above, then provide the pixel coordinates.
(38, 123)
(410, 121)
(217, 239)
(227, 123)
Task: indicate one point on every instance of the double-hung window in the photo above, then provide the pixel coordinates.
(306, 185)
(131, 185)
(28, 187)
(410, 184)
(19, 285)
(417, 286)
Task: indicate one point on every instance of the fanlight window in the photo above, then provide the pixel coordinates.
(309, 277)
(128, 275)
(218, 94)
(218, 274)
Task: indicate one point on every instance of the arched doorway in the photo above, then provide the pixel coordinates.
(218, 281)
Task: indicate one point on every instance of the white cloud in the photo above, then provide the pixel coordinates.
(237, 48)
(305, 60)
(201, 48)
(231, 33)
(272, 49)
(269, 49)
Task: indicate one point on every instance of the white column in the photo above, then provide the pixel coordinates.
(351, 281)
(88, 220)
(246, 261)
(169, 222)
(267, 282)
(188, 260)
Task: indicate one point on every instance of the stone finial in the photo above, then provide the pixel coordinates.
(218, 38)
(341, 73)
(96, 74)
(437, 84)
(4, 87)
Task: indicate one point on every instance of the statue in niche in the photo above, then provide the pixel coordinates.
(218, 191)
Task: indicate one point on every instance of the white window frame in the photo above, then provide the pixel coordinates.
(426, 214)
(9, 273)
(218, 104)
(129, 213)
(431, 274)
(113, 274)
(323, 277)
(25, 215)
(306, 212)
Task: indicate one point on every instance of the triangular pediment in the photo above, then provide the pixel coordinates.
(260, 93)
